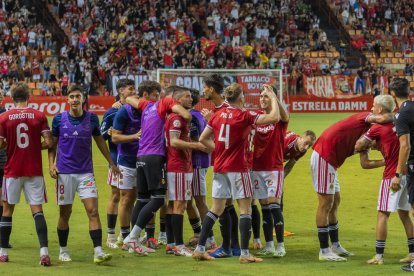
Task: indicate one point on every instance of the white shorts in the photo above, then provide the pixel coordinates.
(324, 176)
(198, 185)
(179, 186)
(68, 184)
(236, 185)
(128, 179)
(389, 201)
(268, 184)
(33, 187)
(113, 180)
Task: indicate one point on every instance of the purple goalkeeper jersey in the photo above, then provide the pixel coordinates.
(152, 140)
(198, 123)
(75, 146)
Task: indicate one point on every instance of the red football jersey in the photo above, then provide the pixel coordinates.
(268, 147)
(22, 128)
(231, 127)
(217, 108)
(290, 150)
(337, 142)
(386, 136)
(178, 160)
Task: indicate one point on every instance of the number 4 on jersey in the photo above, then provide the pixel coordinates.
(224, 135)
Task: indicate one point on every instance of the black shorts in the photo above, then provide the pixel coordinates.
(1, 177)
(151, 173)
(410, 181)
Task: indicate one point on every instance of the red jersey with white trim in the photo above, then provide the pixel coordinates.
(217, 108)
(178, 160)
(231, 127)
(389, 144)
(337, 142)
(22, 128)
(268, 147)
(291, 150)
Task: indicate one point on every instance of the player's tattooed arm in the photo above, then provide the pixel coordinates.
(381, 118)
(47, 142)
(362, 144)
(206, 139)
(51, 155)
(289, 166)
(366, 163)
(179, 144)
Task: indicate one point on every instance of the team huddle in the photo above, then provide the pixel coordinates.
(159, 150)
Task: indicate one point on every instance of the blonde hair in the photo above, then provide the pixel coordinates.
(232, 92)
(386, 101)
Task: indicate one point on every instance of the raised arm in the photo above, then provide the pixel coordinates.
(284, 115)
(381, 118)
(274, 115)
(180, 110)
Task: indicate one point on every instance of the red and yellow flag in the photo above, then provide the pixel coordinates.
(181, 37)
(208, 46)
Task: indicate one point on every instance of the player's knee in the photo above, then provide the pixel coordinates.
(93, 213)
(115, 196)
(179, 206)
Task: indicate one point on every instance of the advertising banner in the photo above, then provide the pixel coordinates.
(53, 105)
(305, 104)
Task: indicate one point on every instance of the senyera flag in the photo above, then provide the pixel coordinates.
(181, 37)
(208, 46)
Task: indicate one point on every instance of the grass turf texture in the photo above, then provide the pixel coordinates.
(357, 219)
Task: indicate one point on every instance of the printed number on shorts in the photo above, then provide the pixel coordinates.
(62, 189)
(22, 137)
(331, 177)
(224, 135)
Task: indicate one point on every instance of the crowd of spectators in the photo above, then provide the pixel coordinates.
(122, 37)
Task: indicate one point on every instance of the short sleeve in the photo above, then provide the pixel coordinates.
(45, 124)
(176, 123)
(56, 125)
(142, 104)
(120, 119)
(250, 117)
(402, 122)
(96, 131)
(164, 106)
(373, 133)
(107, 123)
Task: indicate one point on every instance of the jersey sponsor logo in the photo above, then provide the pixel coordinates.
(177, 123)
(65, 126)
(88, 183)
(265, 129)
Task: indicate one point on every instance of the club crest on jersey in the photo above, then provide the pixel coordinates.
(61, 198)
(177, 123)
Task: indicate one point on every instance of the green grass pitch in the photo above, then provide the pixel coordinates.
(357, 218)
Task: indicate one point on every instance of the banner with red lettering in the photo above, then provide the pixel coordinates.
(298, 104)
(342, 86)
(53, 105)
